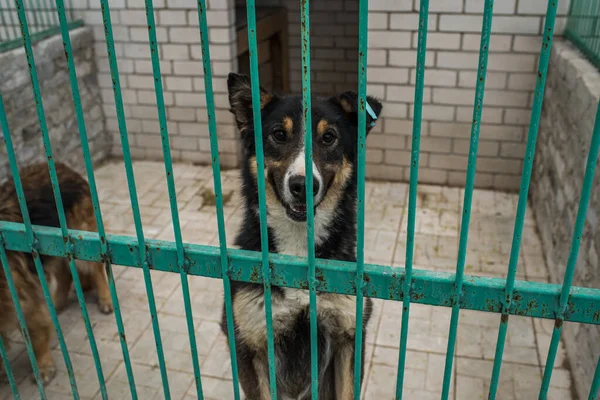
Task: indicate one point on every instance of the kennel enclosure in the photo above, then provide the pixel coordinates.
(563, 303)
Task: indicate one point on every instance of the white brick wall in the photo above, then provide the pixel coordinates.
(451, 74)
(450, 77)
(182, 73)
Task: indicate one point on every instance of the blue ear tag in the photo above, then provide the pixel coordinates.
(372, 114)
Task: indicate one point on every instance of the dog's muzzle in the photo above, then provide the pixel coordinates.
(296, 208)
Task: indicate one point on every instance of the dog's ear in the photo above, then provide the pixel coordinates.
(348, 102)
(240, 99)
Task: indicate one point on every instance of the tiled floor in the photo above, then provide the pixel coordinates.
(438, 222)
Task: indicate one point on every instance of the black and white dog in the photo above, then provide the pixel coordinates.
(335, 134)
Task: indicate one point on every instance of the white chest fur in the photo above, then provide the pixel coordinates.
(291, 237)
(333, 310)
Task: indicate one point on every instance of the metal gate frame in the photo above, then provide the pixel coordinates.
(562, 303)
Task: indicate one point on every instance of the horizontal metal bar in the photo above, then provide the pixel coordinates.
(36, 37)
(539, 300)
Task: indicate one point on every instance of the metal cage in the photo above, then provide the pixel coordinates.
(504, 297)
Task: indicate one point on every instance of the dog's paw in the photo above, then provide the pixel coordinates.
(47, 373)
(105, 306)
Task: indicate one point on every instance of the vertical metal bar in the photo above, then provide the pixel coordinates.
(572, 15)
(36, 24)
(58, 197)
(585, 20)
(182, 262)
(363, 33)
(33, 243)
(3, 27)
(70, 9)
(40, 9)
(93, 190)
(310, 211)
(466, 210)
(412, 196)
(534, 123)
(22, 324)
(3, 356)
(51, 16)
(584, 200)
(45, 11)
(12, 20)
(595, 387)
(595, 41)
(262, 201)
(588, 23)
(216, 168)
(144, 256)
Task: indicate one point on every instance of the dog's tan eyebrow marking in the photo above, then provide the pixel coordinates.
(288, 125)
(324, 126)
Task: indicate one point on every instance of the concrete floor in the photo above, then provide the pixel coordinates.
(438, 223)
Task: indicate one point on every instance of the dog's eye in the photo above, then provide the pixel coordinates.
(279, 136)
(328, 138)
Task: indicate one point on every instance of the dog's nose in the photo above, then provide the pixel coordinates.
(298, 187)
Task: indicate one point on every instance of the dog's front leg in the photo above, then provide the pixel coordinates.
(344, 371)
(261, 368)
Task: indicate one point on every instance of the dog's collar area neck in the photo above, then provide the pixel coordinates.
(372, 114)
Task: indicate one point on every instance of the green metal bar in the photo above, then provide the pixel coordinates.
(412, 196)
(36, 24)
(582, 28)
(595, 45)
(573, 7)
(57, 195)
(534, 124)
(4, 360)
(582, 46)
(363, 19)
(52, 16)
(466, 210)
(143, 257)
(36, 37)
(43, 13)
(33, 245)
(24, 331)
(47, 14)
(530, 299)
(595, 388)
(94, 191)
(12, 23)
(586, 189)
(70, 6)
(3, 27)
(310, 211)
(216, 168)
(168, 162)
(587, 23)
(262, 201)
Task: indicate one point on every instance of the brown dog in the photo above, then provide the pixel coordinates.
(79, 211)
